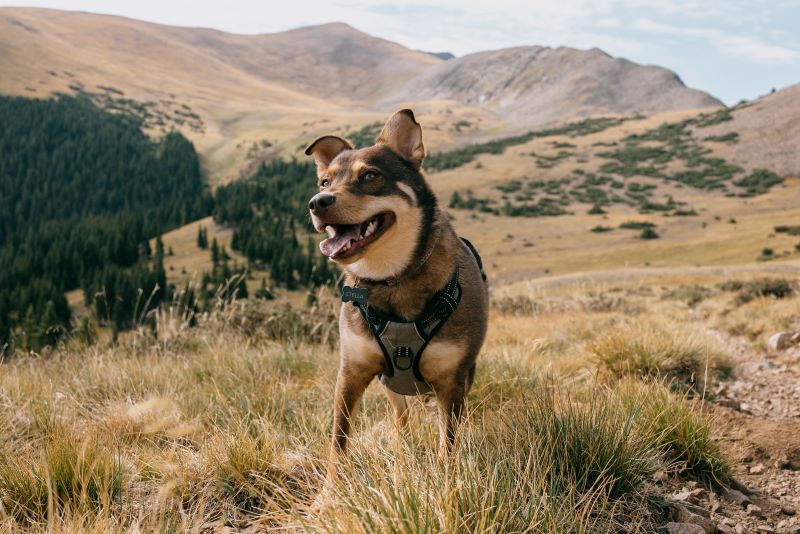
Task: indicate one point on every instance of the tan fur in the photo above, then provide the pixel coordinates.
(392, 252)
(448, 363)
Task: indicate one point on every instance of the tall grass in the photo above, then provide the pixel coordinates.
(67, 475)
(226, 425)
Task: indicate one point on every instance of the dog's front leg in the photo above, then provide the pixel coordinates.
(351, 383)
(451, 406)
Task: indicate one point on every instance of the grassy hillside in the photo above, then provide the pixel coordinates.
(225, 425)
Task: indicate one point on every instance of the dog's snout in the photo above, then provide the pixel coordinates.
(320, 202)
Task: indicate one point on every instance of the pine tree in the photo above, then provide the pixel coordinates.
(215, 256)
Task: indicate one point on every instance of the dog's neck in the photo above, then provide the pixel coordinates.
(406, 294)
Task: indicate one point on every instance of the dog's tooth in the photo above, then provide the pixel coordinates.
(330, 230)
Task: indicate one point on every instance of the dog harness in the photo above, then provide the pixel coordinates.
(403, 342)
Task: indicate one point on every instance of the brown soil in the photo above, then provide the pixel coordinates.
(758, 420)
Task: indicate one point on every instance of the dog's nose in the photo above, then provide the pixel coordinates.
(320, 202)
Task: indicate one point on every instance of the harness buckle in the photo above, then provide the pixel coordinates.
(403, 353)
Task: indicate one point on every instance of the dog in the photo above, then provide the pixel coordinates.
(419, 310)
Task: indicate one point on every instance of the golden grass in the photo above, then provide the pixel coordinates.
(226, 424)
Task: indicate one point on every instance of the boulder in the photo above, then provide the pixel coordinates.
(783, 340)
(684, 528)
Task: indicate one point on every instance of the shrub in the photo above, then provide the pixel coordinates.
(785, 229)
(636, 225)
(766, 287)
(759, 181)
(648, 233)
(601, 229)
(597, 210)
(731, 138)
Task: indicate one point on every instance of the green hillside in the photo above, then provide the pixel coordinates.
(83, 190)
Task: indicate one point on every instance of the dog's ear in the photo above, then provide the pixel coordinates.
(403, 135)
(325, 149)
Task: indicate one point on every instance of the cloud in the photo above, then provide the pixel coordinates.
(746, 46)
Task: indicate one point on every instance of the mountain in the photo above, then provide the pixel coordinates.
(768, 132)
(537, 85)
(246, 98)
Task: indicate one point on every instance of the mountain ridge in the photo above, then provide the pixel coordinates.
(261, 96)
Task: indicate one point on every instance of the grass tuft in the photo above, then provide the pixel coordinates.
(649, 351)
(81, 476)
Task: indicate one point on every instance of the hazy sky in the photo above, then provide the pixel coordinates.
(733, 49)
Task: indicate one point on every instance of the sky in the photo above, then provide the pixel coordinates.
(733, 49)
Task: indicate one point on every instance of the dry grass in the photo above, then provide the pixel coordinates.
(226, 425)
(647, 349)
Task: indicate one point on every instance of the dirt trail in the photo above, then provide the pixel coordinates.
(758, 420)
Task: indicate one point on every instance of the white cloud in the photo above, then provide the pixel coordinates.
(745, 46)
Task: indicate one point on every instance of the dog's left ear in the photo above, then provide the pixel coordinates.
(325, 149)
(403, 135)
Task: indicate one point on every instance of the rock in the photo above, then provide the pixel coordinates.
(684, 528)
(737, 497)
(660, 476)
(765, 528)
(789, 529)
(733, 404)
(692, 496)
(757, 469)
(725, 529)
(754, 510)
(685, 516)
(788, 509)
(740, 529)
(783, 340)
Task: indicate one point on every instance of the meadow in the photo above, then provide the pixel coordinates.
(592, 404)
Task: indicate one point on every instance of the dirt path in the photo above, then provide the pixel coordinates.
(758, 420)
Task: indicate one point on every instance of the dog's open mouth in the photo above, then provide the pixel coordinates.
(346, 240)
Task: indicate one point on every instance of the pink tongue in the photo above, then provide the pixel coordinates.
(331, 246)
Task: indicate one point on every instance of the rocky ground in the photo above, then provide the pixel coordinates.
(758, 419)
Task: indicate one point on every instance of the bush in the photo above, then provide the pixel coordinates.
(784, 229)
(648, 233)
(601, 229)
(766, 287)
(636, 225)
(597, 210)
(759, 181)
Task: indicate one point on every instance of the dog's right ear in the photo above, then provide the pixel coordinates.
(325, 149)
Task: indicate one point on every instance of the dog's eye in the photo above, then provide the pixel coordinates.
(325, 183)
(368, 176)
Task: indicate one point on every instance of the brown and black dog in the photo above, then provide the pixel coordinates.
(387, 232)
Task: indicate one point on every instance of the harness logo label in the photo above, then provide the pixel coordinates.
(356, 295)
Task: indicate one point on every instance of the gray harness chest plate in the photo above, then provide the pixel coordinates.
(403, 342)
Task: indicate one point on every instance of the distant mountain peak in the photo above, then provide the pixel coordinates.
(445, 56)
